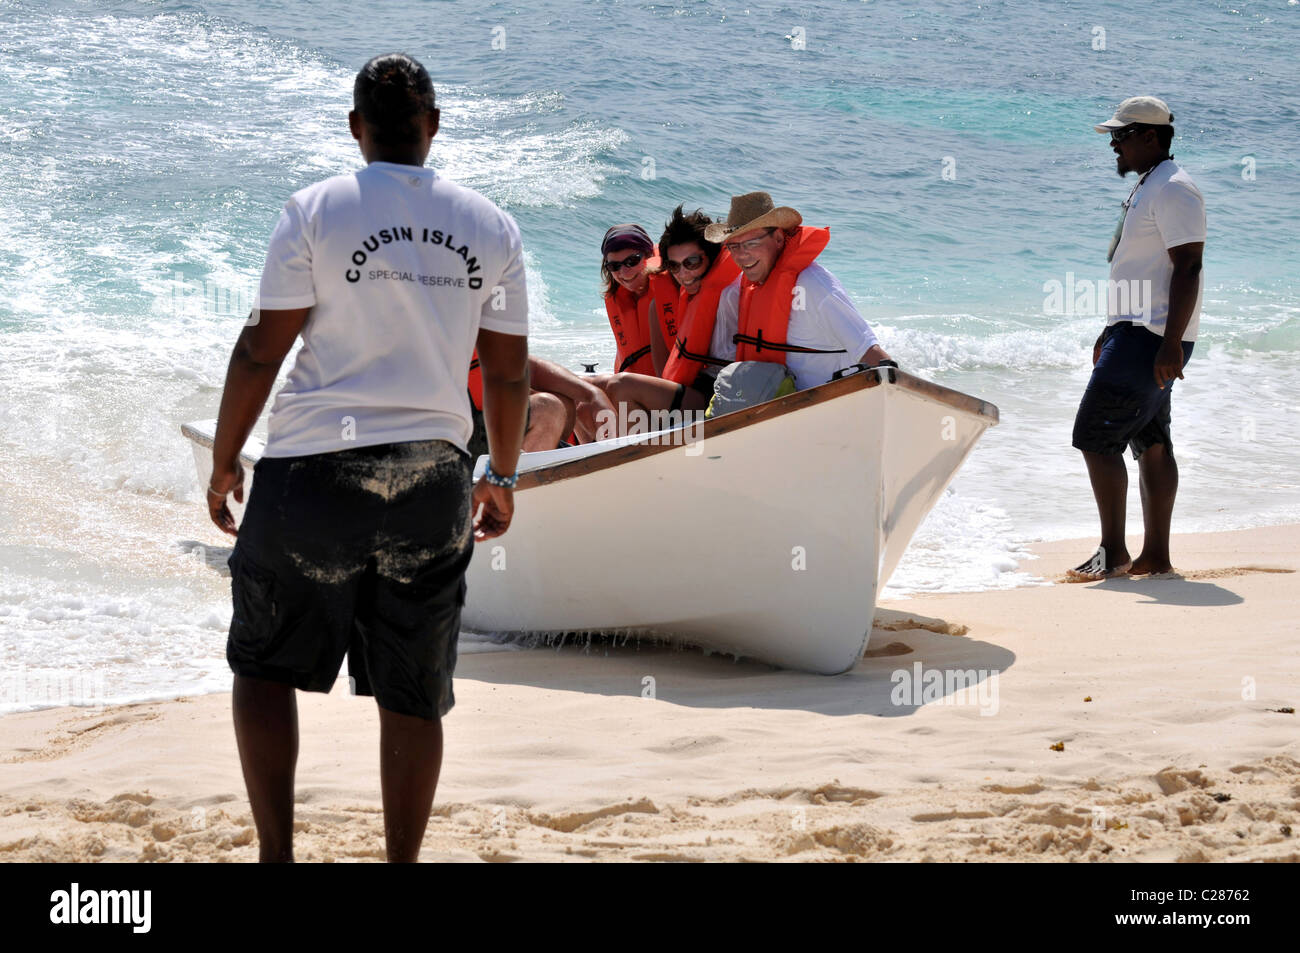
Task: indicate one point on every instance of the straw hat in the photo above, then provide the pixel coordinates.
(750, 211)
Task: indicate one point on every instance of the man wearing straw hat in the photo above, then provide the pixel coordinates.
(785, 307)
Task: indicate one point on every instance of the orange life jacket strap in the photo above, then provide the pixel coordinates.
(634, 357)
(702, 358)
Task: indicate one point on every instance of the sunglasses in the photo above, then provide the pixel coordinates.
(690, 264)
(754, 244)
(631, 261)
(1117, 137)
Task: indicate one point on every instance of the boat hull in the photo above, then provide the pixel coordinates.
(764, 534)
(767, 540)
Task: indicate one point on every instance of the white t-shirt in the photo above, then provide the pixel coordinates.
(1166, 210)
(828, 321)
(401, 267)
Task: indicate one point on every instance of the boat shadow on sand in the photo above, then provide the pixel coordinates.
(910, 661)
(885, 682)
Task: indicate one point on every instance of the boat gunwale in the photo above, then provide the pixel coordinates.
(737, 420)
(203, 440)
(726, 423)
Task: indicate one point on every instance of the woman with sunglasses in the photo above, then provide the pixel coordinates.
(702, 269)
(626, 267)
(640, 300)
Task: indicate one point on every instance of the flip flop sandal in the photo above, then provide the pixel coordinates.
(1096, 568)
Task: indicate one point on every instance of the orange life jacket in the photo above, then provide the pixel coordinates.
(765, 308)
(475, 384)
(629, 317)
(663, 291)
(698, 313)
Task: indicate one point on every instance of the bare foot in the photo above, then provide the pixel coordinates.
(1098, 566)
(1145, 566)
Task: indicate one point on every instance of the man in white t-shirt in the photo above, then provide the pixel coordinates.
(1154, 307)
(361, 521)
(823, 332)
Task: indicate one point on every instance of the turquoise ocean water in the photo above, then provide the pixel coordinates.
(147, 147)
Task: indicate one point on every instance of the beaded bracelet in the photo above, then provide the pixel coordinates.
(497, 479)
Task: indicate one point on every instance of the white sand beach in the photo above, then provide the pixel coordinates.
(1135, 719)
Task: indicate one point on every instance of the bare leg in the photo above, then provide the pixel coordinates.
(1159, 483)
(410, 757)
(1109, 478)
(549, 421)
(640, 392)
(570, 416)
(266, 731)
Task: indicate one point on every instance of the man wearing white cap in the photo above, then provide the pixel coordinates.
(1155, 258)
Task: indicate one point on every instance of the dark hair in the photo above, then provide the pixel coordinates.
(391, 92)
(1164, 134)
(682, 229)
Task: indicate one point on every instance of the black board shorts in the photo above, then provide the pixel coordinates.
(1123, 405)
(360, 553)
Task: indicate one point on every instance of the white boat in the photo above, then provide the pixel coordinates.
(764, 533)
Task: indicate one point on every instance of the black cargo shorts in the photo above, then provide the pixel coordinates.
(360, 553)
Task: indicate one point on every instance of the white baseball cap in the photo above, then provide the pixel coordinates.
(1144, 109)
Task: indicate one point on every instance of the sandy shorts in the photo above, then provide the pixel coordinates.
(360, 553)
(1123, 406)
